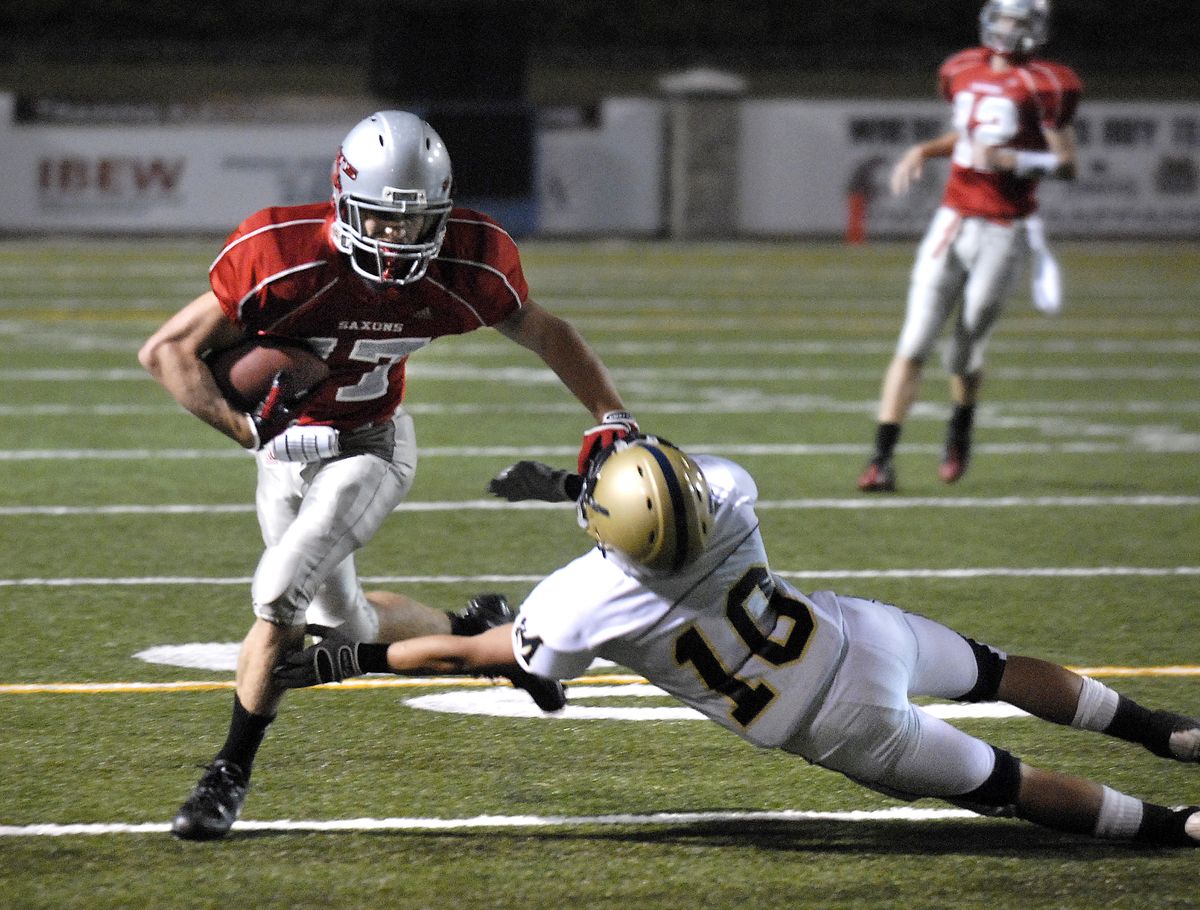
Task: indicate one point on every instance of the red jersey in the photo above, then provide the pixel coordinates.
(1002, 109)
(280, 273)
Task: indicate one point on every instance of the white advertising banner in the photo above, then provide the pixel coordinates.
(798, 165)
(604, 177)
(1139, 169)
(158, 178)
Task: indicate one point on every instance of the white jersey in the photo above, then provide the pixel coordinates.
(724, 636)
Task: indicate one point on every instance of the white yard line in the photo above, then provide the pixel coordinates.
(500, 822)
(537, 375)
(493, 505)
(802, 575)
(991, 413)
(1166, 442)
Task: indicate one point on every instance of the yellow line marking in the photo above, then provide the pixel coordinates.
(398, 682)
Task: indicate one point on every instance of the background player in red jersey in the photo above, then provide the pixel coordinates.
(1012, 126)
(364, 281)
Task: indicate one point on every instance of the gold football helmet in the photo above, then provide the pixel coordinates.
(647, 500)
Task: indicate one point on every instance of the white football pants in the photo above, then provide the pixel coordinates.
(313, 517)
(963, 265)
(868, 729)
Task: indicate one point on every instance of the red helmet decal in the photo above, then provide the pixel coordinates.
(342, 166)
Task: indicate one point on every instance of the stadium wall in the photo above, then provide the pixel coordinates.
(798, 165)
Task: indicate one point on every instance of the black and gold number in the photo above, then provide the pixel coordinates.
(692, 648)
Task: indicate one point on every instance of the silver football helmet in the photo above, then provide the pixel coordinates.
(649, 502)
(1014, 26)
(391, 190)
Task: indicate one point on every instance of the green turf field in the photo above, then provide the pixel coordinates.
(126, 525)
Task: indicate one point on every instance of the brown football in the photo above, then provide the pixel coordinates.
(244, 372)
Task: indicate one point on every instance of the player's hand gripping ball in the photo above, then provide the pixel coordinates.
(246, 372)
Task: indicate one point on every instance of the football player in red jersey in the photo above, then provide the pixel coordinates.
(365, 280)
(1012, 116)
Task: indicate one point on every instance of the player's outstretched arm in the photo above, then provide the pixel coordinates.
(336, 658)
(488, 654)
(565, 351)
(172, 356)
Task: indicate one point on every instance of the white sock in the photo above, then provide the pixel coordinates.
(1097, 706)
(1120, 816)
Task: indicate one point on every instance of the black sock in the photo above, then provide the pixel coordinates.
(246, 732)
(1161, 825)
(1136, 724)
(886, 437)
(961, 421)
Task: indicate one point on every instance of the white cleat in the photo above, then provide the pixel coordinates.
(1185, 746)
(1191, 827)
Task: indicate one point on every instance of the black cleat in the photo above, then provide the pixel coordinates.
(482, 612)
(878, 477)
(214, 805)
(956, 452)
(955, 458)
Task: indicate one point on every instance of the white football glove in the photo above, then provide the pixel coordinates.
(304, 444)
(1045, 275)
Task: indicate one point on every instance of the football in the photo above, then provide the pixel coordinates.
(244, 372)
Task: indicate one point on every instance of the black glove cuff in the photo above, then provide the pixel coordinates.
(572, 486)
(372, 658)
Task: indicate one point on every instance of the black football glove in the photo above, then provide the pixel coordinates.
(533, 480)
(614, 425)
(548, 694)
(333, 659)
(279, 409)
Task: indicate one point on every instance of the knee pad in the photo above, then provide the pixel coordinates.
(996, 796)
(991, 667)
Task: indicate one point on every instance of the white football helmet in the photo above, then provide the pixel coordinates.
(649, 502)
(1014, 26)
(391, 190)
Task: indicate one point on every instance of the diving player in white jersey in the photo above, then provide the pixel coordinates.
(679, 589)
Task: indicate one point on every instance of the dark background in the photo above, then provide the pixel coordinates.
(488, 71)
(555, 50)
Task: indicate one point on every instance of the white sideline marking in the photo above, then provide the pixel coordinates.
(989, 413)
(509, 702)
(495, 822)
(992, 572)
(492, 505)
(537, 375)
(1163, 442)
